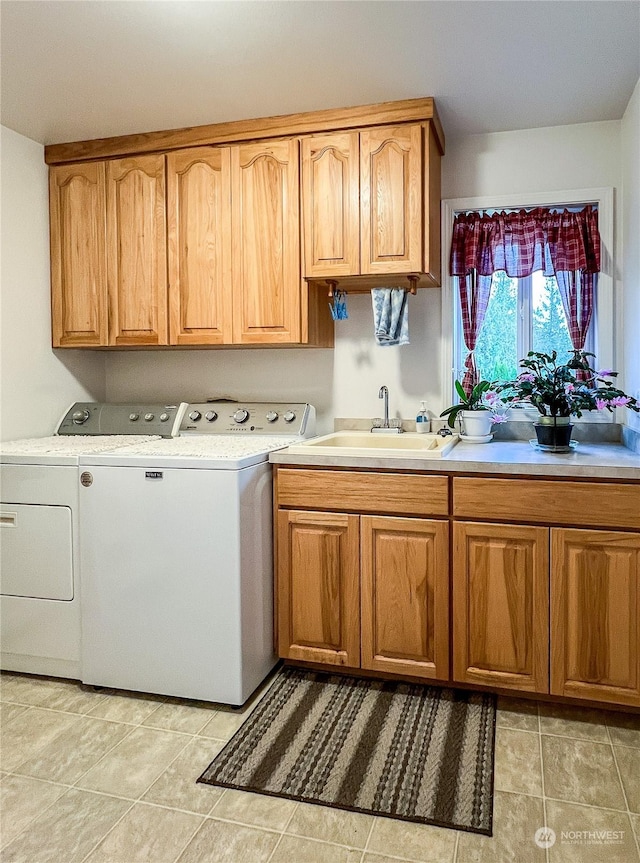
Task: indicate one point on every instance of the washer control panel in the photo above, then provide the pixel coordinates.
(225, 417)
(96, 418)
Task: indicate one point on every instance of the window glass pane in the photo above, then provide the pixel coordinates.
(497, 348)
(548, 323)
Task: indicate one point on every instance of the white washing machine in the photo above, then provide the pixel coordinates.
(176, 554)
(40, 626)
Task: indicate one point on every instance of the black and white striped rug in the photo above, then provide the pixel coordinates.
(407, 751)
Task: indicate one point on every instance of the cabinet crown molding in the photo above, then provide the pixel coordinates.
(309, 122)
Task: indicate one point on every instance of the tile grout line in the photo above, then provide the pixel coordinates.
(624, 794)
(368, 839)
(138, 799)
(542, 782)
(282, 833)
(455, 849)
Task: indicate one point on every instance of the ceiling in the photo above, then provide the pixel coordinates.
(78, 69)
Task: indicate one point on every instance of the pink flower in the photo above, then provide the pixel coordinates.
(498, 418)
(601, 404)
(526, 376)
(569, 388)
(491, 398)
(620, 401)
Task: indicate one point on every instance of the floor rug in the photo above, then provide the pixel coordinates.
(407, 751)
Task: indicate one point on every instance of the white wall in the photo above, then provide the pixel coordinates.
(31, 373)
(345, 382)
(631, 249)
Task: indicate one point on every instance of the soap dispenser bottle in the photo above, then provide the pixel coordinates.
(423, 423)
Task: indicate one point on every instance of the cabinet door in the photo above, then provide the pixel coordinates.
(318, 587)
(595, 615)
(199, 246)
(391, 205)
(405, 596)
(266, 243)
(501, 606)
(136, 251)
(330, 204)
(78, 267)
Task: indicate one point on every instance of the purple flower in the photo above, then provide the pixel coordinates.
(491, 398)
(498, 418)
(605, 373)
(601, 404)
(526, 376)
(620, 401)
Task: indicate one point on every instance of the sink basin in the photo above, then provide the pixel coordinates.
(407, 445)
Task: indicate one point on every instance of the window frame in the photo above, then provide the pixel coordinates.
(606, 323)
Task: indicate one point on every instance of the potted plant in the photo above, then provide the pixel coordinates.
(477, 411)
(560, 391)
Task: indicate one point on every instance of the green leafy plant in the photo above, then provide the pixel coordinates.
(481, 398)
(564, 389)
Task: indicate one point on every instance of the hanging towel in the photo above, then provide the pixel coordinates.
(390, 316)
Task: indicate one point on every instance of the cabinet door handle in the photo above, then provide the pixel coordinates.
(8, 519)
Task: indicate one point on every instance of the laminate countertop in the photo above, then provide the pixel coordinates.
(589, 460)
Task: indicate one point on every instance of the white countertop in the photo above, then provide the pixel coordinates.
(602, 460)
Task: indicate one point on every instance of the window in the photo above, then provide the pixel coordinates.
(527, 313)
(523, 315)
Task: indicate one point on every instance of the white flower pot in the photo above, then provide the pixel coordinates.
(476, 424)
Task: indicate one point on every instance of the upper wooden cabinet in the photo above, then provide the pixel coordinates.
(199, 246)
(331, 204)
(78, 262)
(197, 236)
(371, 204)
(136, 251)
(391, 201)
(266, 243)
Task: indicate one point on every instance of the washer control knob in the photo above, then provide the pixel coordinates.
(164, 417)
(148, 418)
(289, 417)
(194, 416)
(80, 417)
(241, 415)
(272, 416)
(134, 417)
(211, 416)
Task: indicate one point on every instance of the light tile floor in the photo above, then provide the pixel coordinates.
(109, 777)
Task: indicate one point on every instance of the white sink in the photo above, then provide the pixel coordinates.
(406, 445)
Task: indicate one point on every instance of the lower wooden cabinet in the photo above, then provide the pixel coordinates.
(319, 587)
(501, 605)
(364, 591)
(405, 596)
(595, 615)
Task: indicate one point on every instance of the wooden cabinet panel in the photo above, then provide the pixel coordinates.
(136, 251)
(78, 265)
(363, 491)
(595, 615)
(548, 501)
(501, 605)
(391, 208)
(199, 245)
(330, 203)
(318, 587)
(266, 242)
(405, 596)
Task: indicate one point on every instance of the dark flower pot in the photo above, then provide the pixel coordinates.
(554, 433)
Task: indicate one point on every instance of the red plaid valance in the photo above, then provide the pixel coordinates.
(522, 242)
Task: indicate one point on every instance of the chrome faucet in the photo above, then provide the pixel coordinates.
(393, 427)
(384, 394)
